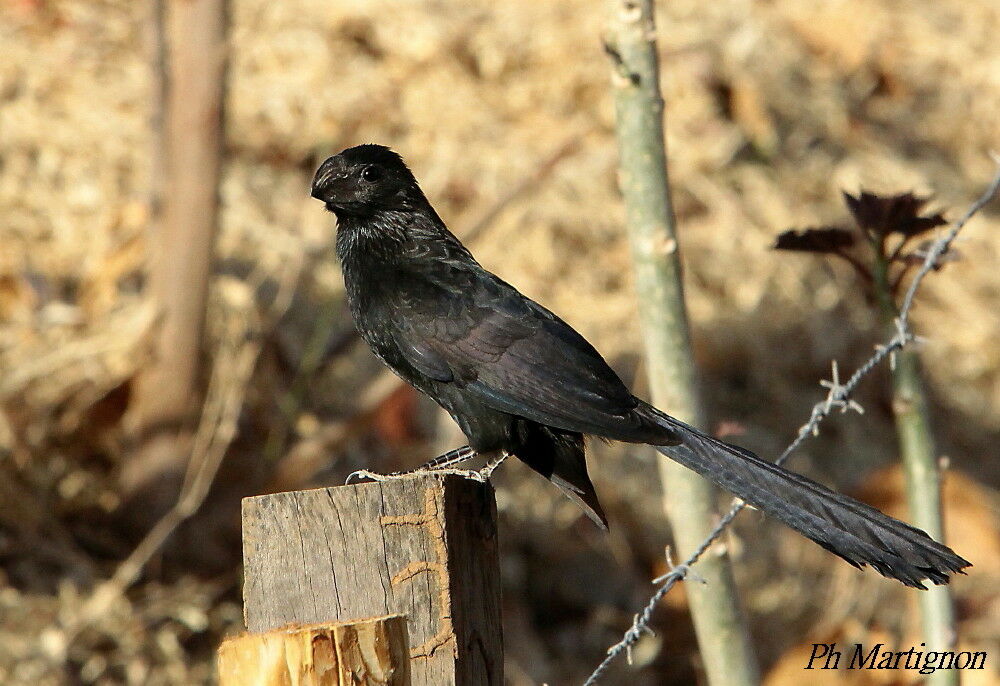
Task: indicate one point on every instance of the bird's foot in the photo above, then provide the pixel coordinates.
(439, 465)
(464, 473)
(363, 475)
(487, 471)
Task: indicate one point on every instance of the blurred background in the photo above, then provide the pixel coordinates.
(503, 111)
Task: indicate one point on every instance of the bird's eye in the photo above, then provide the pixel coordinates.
(371, 174)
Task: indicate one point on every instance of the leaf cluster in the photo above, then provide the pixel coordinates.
(884, 232)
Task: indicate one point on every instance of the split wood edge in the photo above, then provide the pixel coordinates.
(366, 652)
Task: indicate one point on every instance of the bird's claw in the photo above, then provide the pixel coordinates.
(487, 471)
(362, 475)
(483, 475)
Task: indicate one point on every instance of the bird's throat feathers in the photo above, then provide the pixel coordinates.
(388, 237)
(375, 239)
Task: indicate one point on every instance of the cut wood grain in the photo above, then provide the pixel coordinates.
(370, 652)
(424, 547)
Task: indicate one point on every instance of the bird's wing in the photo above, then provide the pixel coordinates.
(462, 325)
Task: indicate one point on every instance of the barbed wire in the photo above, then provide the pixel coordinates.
(838, 398)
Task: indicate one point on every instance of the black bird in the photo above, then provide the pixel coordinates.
(520, 381)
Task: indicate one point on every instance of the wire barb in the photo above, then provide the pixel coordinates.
(683, 572)
(838, 397)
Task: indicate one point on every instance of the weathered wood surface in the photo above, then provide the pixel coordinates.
(370, 652)
(424, 547)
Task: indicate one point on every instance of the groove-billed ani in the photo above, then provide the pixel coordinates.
(519, 380)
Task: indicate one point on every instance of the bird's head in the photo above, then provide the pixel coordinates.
(364, 180)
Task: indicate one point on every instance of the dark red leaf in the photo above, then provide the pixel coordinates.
(881, 216)
(828, 239)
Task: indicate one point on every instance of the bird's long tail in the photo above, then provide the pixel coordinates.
(846, 527)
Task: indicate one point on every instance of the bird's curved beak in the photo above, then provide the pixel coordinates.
(323, 181)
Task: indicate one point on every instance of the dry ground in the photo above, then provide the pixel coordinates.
(773, 108)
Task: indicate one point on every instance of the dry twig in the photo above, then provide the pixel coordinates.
(231, 376)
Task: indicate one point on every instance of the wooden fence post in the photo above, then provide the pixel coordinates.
(424, 547)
